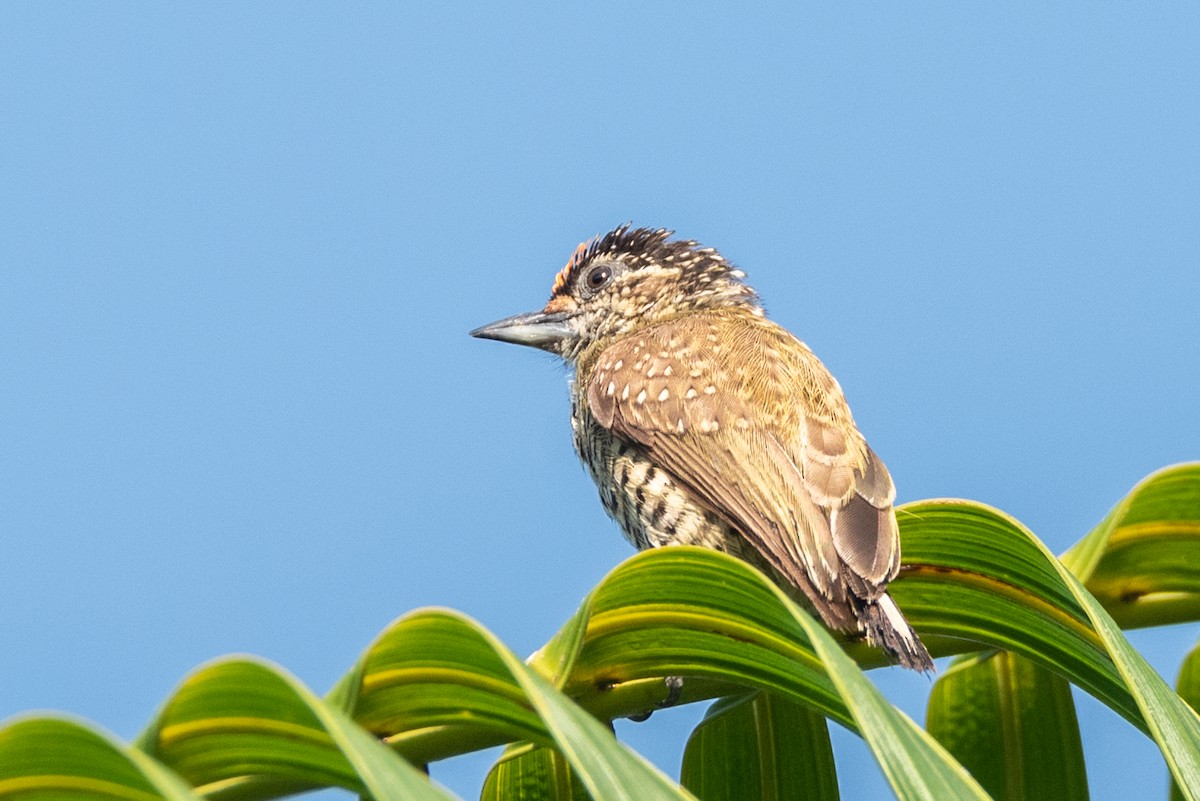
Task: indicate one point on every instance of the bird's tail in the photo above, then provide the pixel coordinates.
(886, 628)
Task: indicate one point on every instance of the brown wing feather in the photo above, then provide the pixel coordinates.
(865, 531)
(684, 404)
(856, 492)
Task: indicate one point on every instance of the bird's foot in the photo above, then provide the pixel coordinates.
(674, 690)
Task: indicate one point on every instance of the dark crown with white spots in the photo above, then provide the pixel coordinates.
(705, 279)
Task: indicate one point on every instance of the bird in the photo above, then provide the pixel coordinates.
(703, 422)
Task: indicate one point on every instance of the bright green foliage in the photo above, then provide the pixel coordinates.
(1188, 687)
(436, 684)
(55, 758)
(1143, 561)
(527, 772)
(1012, 724)
(760, 746)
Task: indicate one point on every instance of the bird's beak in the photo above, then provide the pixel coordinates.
(545, 330)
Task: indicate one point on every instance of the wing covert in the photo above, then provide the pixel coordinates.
(681, 404)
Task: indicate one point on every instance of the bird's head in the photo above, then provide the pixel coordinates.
(627, 279)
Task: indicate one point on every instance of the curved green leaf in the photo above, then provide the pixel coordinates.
(1171, 723)
(914, 763)
(760, 746)
(439, 649)
(1188, 688)
(50, 757)
(972, 574)
(433, 687)
(436, 684)
(1012, 724)
(971, 578)
(1143, 561)
(526, 772)
(694, 612)
(240, 717)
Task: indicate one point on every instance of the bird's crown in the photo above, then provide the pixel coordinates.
(644, 275)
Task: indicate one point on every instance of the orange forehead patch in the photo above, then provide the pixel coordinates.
(560, 280)
(561, 303)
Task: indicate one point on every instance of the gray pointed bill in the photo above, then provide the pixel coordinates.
(536, 329)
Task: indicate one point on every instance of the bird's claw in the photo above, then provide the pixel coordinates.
(674, 690)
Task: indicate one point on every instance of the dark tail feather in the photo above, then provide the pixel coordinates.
(886, 628)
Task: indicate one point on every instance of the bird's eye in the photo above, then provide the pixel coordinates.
(598, 277)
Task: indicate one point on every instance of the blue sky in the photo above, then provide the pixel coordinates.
(241, 247)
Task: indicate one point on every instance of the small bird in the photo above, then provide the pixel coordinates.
(704, 423)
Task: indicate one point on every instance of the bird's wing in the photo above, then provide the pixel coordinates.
(673, 391)
(848, 481)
